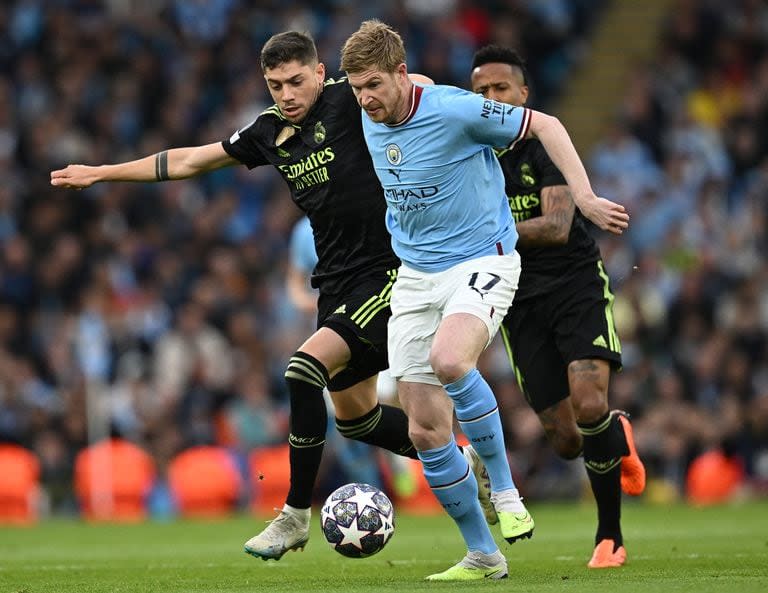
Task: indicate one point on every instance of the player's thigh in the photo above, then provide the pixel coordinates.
(458, 343)
(359, 318)
(355, 401)
(415, 319)
(330, 348)
(484, 287)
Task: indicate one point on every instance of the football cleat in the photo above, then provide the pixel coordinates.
(632, 468)
(515, 520)
(475, 566)
(515, 526)
(605, 556)
(284, 533)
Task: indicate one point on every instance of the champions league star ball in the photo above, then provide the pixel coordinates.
(357, 520)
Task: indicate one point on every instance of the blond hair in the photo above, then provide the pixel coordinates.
(374, 45)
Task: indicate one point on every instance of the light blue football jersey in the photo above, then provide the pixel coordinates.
(443, 184)
(302, 248)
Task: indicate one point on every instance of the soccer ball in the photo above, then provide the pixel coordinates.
(357, 520)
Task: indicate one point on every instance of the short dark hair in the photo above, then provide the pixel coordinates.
(501, 55)
(286, 47)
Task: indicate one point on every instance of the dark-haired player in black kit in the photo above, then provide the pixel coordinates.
(559, 333)
(313, 136)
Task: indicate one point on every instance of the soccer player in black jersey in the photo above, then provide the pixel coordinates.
(313, 136)
(559, 333)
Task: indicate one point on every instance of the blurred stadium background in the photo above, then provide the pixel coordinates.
(157, 313)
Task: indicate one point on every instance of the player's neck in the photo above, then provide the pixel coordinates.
(406, 104)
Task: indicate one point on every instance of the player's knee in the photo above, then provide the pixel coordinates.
(448, 367)
(306, 368)
(419, 437)
(590, 403)
(426, 437)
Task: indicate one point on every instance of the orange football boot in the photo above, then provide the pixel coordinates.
(605, 556)
(632, 469)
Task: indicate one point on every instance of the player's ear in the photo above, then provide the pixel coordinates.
(320, 72)
(401, 72)
(524, 94)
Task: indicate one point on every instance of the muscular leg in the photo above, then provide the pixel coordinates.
(604, 442)
(323, 355)
(454, 362)
(559, 423)
(588, 382)
(430, 425)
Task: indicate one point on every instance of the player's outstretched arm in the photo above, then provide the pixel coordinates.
(606, 214)
(176, 163)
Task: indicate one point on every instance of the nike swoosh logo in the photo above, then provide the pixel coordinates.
(491, 573)
(526, 519)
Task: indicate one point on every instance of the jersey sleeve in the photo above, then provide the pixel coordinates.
(244, 146)
(550, 175)
(490, 122)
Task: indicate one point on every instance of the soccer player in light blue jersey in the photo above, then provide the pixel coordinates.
(432, 150)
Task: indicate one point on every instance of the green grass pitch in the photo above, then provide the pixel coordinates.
(670, 549)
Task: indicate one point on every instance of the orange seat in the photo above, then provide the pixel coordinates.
(19, 485)
(271, 476)
(112, 480)
(205, 481)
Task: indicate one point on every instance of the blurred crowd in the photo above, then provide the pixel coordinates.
(159, 311)
(687, 153)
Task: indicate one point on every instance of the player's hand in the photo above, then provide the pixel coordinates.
(75, 176)
(607, 215)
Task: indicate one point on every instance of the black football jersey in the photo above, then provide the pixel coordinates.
(325, 161)
(527, 169)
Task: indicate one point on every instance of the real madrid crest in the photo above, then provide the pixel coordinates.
(319, 132)
(526, 175)
(394, 156)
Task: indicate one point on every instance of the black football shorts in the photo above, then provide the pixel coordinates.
(542, 335)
